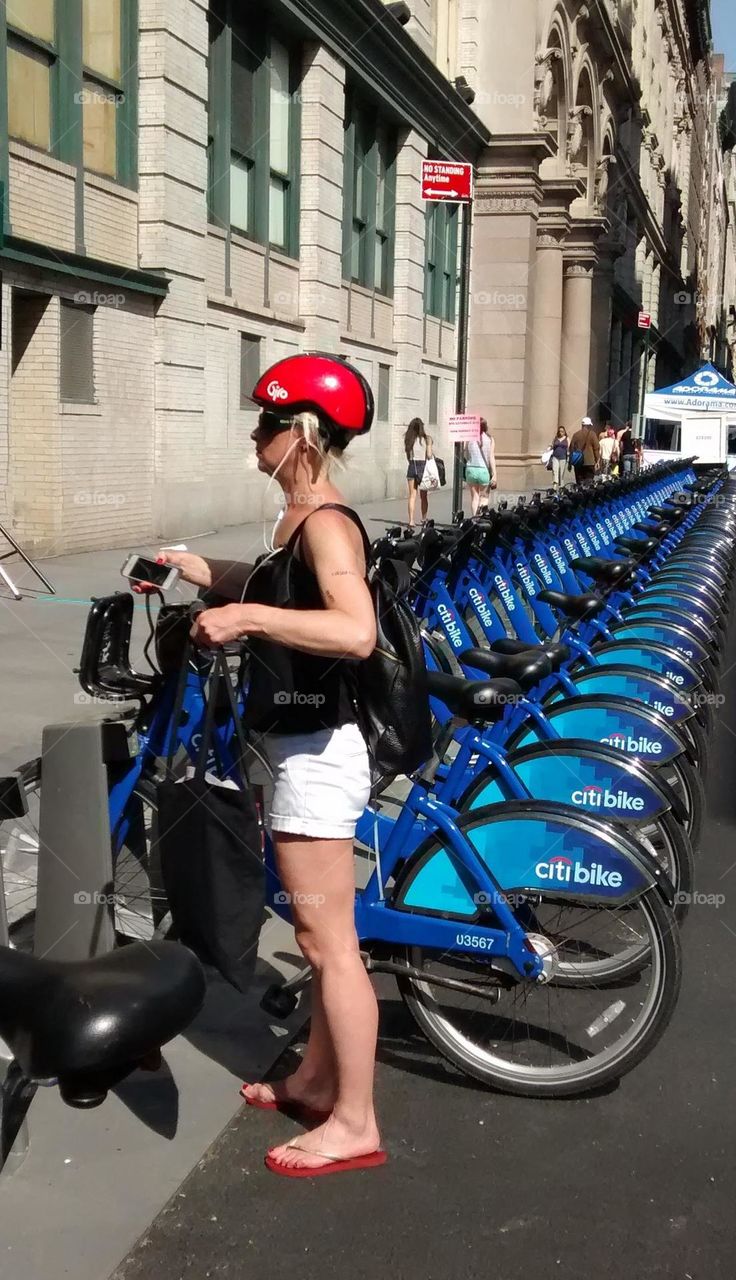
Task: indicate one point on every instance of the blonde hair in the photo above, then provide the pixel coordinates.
(317, 439)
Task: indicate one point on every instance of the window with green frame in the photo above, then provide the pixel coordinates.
(440, 277)
(369, 198)
(253, 141)
(72, 82)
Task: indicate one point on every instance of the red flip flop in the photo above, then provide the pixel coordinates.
(336, 1165)
(295, 1110)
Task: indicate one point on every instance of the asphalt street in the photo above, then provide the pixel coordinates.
(636, 1182)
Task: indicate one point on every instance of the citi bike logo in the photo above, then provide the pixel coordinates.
(544, 570)
(570, 547)
(594, 539)
(450, 624)
(276, 391)
(527, 579)
(482, 607)
(558, 558)
(593, 797)
(664, 708)
(562, 870)
(639, 746)
(504, 591)
(673, 676)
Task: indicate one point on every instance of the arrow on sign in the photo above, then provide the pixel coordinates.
(431, 192)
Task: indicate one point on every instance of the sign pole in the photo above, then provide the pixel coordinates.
(462, 351)
(644, 380)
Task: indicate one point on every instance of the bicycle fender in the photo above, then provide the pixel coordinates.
(589, 777)
(613, 722)
(533, 846)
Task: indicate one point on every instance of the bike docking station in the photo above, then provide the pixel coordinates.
(74, 903)
(13, 1123)
(16, 549)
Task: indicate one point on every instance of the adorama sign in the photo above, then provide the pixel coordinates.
(446, 180)
(645, 320)
(464, 426)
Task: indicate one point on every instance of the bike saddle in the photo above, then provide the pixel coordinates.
(555, 652)
(653, 530)
(87, 1024)
(670, 514)
(526, 668)
(637, 544)
(610, 573)
(574, 606)
(479, 701)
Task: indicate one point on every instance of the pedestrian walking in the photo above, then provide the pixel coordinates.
(585, 452)
(626, 450)
(418, 448)
(480, 467)
(609, 451)
(560, 450)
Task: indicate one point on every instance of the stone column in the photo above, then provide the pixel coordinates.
(409, 382)
(546, 329)
(320, 230)
(577, 316)
(508, 198)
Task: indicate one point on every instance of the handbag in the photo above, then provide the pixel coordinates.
(441, 471)
(576, 457)
(546, 457)
(431, 477)
(210, 845)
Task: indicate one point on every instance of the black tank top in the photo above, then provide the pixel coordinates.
(289, 691)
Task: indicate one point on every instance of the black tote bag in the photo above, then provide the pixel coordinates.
(210, 843)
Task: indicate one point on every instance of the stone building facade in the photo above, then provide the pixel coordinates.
(193, 189)
(592, 205)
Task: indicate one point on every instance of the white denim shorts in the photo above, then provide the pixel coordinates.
(321, 781)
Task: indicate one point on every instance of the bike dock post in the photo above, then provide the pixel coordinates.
(12, 805)
(74, 904)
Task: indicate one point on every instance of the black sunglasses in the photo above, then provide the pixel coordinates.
(272, 423)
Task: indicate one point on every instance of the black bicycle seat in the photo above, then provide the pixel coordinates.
(555, 652)
(608, 572)
(638, 545)
(670, 514)
(87, 1024)
(584, 605)
(653, 530)
(479, 701)
(526, 668)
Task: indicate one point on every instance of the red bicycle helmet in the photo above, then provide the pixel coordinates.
(315, 383)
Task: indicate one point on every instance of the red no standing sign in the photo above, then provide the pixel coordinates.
(447, 180)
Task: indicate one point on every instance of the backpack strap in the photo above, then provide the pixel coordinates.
(295, 538)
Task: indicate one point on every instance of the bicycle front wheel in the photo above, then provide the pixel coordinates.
(554, 1040)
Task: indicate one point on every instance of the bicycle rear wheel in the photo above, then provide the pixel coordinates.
(559, 1039)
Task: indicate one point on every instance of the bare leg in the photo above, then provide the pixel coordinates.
(412, 499)
(424, 503)
(319, 875)
(475, 493)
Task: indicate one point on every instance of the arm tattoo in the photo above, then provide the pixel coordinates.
(344, 573)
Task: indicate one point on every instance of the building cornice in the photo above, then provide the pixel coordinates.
(129, 279)
(380, 53)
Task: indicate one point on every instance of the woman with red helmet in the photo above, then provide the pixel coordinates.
(307, 615)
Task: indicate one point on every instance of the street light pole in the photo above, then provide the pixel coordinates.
(462, 349)
(644, 380)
